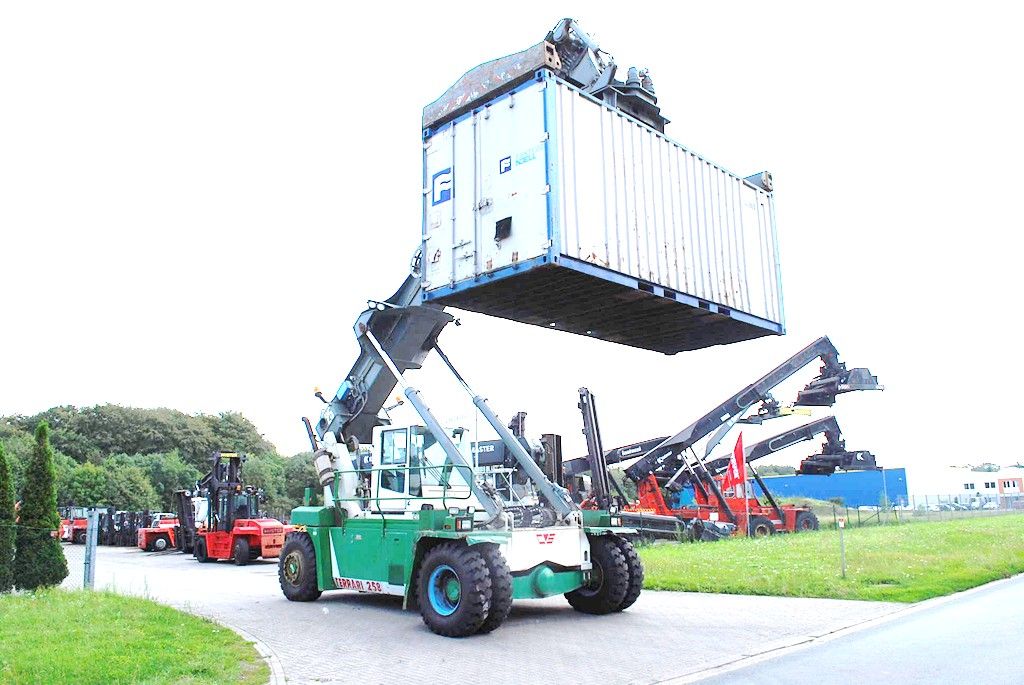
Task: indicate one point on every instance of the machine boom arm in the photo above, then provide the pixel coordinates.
(834, 379)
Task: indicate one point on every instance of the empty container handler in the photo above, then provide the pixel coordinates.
(546, 206)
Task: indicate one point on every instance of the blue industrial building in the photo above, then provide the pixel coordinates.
(857, 488)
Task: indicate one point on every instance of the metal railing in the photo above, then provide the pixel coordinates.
(443, 481)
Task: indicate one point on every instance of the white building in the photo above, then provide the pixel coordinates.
(960, 484)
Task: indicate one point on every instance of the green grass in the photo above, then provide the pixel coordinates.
(895, 563)
(82, 637)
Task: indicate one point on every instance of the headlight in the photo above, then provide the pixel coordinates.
(616, 521)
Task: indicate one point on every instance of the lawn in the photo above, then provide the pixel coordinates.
(895, 563)
(103, 638)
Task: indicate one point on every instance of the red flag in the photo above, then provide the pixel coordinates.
(736, 474)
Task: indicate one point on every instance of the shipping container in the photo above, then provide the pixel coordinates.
(546, 206)
(856, 488)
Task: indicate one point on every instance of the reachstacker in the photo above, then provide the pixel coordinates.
(672, 463)
(423, 521)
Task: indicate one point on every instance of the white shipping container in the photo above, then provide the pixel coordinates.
(546, 176)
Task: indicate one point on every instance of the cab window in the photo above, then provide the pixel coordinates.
(394, 452)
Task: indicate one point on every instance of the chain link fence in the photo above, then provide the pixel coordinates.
(80, 554)
(923, 508)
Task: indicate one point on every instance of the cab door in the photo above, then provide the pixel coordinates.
(390, 486)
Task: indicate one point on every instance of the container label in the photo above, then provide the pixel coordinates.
(442, 185)
(504, 165)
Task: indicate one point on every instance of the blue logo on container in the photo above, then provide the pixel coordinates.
(442, 184)
(505, 165)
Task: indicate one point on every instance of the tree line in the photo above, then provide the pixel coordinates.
(134, 459)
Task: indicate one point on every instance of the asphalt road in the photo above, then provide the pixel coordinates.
(977, 637)
(348, 637)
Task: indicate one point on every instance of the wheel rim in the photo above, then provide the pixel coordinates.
(596, 581)
(444, 590)
(292, 568)
(160, 545)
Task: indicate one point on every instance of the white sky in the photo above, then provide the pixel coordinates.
(196, 199)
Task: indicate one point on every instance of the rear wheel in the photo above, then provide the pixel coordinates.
(609, 579)
(806, 520)
(636, 573)
(760, 527)
(200, 552)
(78, 537)
(161, 543)
(454, 589)
(296, 568)
(240, 552)
(501, 588)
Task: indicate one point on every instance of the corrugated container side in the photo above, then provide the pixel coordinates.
(636, 202)
(666, 250)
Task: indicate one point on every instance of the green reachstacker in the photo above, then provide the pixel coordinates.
(416, 513)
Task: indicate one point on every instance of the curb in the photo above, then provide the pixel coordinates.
(264, 650)
(800, 643)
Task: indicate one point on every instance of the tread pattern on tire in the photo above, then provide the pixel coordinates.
(755, 522)
(636, 573)
(475, 579)
(201, 553)
(604, 552)
(307, 590)
(240, 552)
(804, 515)
(501, 588)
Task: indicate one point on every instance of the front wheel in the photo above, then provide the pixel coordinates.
(241, 552)
(606, 590)
(161, 543)
(200, 552)
(806, 520)
(296, 568)
(454, 590)
(760, 527)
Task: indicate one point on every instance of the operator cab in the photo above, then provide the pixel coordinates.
(420, 475)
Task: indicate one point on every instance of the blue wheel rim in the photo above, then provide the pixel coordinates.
(444, 590)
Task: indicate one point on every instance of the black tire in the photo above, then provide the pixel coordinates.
(161, 543)
(200, 552)
(806, 520)
(501, 588)
(78, 537)
(240, 552)
(636, 573)
(609, 579)
(760, 527)
(296, 568)
(448, 569)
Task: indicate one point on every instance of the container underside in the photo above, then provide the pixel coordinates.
(631, 312)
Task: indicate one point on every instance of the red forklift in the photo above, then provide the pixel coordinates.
(159, 535)
(233, 528)
(73, 524)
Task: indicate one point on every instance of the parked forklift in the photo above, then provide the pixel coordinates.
(73, 524)
(233, 528)
(159, 535)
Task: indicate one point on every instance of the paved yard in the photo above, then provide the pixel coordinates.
(347, 637)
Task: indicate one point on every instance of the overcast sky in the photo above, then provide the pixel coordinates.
(196, 200)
